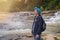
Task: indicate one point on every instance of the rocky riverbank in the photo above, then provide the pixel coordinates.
(28, 36)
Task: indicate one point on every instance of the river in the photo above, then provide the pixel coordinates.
(22, 21)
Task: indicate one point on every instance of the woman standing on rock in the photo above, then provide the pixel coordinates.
(38, 25)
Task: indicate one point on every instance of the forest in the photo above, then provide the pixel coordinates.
(28, 5)
(50, 4)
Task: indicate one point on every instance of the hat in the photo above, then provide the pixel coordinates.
(38, 10)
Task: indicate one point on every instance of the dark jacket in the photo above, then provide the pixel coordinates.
(37, 25)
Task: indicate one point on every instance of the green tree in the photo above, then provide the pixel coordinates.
(50, 4)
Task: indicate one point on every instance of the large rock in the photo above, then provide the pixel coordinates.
(50, 37)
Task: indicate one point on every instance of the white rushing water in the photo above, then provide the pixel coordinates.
(55, 18)
(22, 22)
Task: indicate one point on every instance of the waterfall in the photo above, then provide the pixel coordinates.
(55, 18)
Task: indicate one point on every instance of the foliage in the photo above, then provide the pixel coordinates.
(28, 5)
(50, 4)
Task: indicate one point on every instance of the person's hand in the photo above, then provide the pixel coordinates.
(37, 36)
